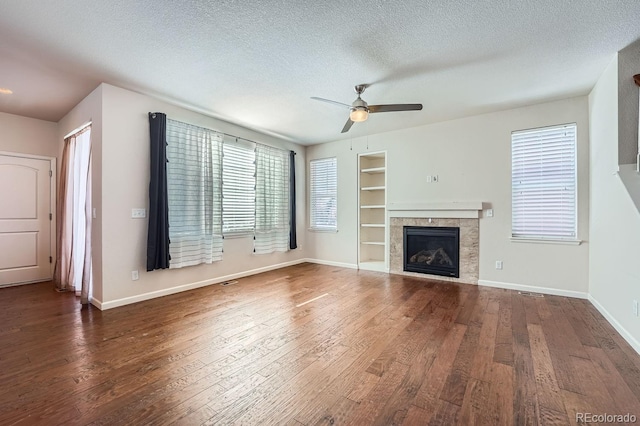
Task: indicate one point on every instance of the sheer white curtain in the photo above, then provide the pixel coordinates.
(272, 200)
(194, 179)
(73, 270)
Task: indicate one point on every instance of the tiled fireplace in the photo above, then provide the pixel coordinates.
(468, 241)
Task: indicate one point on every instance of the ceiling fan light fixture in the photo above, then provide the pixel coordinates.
(359, 114)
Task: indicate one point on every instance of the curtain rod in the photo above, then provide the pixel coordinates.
(232, 136)
(79, 129)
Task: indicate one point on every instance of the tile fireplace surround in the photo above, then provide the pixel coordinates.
(469, 246)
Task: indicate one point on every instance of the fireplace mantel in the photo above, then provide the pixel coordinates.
(443, 209)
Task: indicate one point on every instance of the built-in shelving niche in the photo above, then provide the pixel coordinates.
(372, 202)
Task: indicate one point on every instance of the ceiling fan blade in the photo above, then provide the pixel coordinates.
(347, 126)
(330, 102)
(394, 107)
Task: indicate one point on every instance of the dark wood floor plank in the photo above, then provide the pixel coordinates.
(338, 414)
(445, 413)
(503, 351)
(416, 416)
(548, 391)
(378, 349)
(428, 395)
(501, 398)
(577, 323)
(456, 384)
(619, 391)
(592, 387)
(368, 413)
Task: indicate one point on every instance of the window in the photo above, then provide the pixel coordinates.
(543, 183)
(272, 200)
(221, 185)
(238, 187)
(193, 189)
(324, 194)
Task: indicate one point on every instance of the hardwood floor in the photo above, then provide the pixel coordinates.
(378, 349)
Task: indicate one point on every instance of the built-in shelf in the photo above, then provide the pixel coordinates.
(373, 265)
(374, 170)
(372, 214)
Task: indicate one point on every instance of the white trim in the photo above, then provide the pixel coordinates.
(331, 263)
(619, 328)
(560, 241)
(534, 289)
(326, 230)
(441, 209)
(95, 302)
(434, 214)
(442, 205)
(78, 130)
(373, 265)
(178, 289)
(20, 154)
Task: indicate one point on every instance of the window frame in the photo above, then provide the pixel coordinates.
(228, 172)
(544, 156)
(331, 192)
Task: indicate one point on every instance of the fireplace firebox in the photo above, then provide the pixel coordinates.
(432, 250)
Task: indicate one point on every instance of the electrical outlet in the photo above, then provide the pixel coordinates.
(635, 307)
(138, 213)
(135, 276)
(498, 264)
(435, 178)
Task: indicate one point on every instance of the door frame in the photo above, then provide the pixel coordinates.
(52, 208)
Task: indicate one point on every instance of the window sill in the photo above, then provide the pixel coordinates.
(560, 241)
(230, 236)
(330, 231)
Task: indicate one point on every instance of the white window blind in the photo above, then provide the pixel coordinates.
(272, 200)
(194, 157)
(238, 187)
(324, 194)
(543, 183)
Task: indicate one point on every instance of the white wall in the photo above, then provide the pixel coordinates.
(628, 61)
(28, 135)
(125, 183)
(472, 158)
(614, 220)
(90, 109)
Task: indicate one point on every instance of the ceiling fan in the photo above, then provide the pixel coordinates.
(360, 110)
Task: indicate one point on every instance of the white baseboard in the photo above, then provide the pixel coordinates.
(619, 328)
(534, 289)
(178, 289)
(330, 263)
(95, 302)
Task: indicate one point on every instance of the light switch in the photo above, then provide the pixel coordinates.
(138, 213)
(490, 213)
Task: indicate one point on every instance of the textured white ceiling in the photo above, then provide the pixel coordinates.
(257, 63)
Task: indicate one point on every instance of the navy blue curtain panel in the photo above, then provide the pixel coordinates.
(158, 232)
(293, 239)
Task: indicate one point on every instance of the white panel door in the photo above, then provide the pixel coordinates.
(25, 223)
